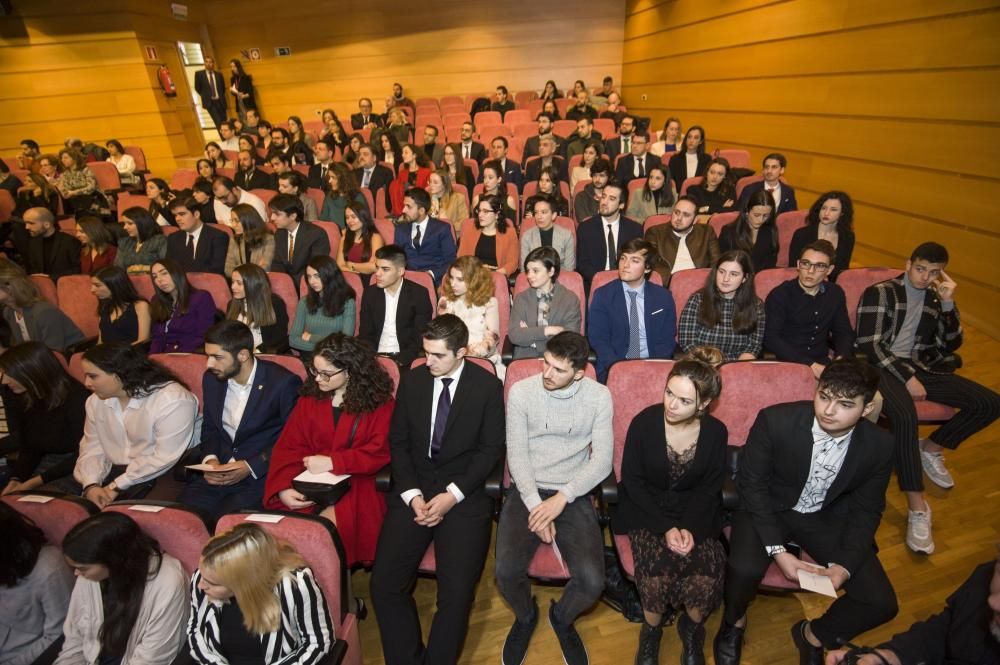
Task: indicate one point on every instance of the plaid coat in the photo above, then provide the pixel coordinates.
(880, 316)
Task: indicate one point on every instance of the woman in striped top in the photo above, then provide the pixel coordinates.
(254, 600)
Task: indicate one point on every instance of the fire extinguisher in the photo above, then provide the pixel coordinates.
(166, 82)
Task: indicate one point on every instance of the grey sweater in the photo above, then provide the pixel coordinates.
(558, 440)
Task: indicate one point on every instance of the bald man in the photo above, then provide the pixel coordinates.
(43, 248)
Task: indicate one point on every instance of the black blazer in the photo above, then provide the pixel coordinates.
(592, 244)
(678, 167)
(786, 204)
(203, 87)
(358, 120)
(478, 152)
(315, 177)
(255, 179)
(244, 84)
(65, 257)
(774, 464)
(808, 234)
(381, 178)
(474, 437)
(625, 171)
(274, 338)
(412, 313)
(310, 241)
(646, 497)
(763, 254)
(534, 169)
(210, 254)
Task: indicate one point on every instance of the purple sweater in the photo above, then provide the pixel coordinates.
(185, 333)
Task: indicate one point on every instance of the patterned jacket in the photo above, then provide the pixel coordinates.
(880, 317)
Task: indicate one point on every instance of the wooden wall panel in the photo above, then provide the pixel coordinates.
(893, 102)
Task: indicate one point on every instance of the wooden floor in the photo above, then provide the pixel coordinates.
(967, 524)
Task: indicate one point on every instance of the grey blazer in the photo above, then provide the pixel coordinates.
(562, 242)
(530, 342)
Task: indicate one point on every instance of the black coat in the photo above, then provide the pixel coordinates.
(210, 253)
(412, 313)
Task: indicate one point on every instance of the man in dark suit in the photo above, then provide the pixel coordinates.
(637, 163)
(532, 146)
(247, 402)
(428, 242)
(198, 248)
(323, 154)
(447, 435)
(211, 87)
(632, 317)
(44, 249)
(471, 149)
(396, 336)
(432, 149)
(600, 239)
(249, 176)
(621, 144)
(511, 171)
(700, 243)
(503, 102)
(365, 118)
(296, 240)
(370, 174)
(813, 474)
(546, 157)
(782, 193)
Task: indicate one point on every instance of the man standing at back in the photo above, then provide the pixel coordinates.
(446, 436)
(211, 87)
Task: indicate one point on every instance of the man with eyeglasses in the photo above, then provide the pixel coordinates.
(807, 316)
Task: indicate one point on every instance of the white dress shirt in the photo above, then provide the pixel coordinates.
(234, 406)
(609, 261)
(388, 342)
(776, 193)
(232, 144)
(691, 162)
(195, 237)
(149, 435)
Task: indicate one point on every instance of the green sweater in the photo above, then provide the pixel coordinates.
(319, 325)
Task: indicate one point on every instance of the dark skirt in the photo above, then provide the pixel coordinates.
(666, 579)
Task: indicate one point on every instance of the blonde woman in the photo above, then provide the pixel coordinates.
(446, 204)
(467, 292)
(254, 600)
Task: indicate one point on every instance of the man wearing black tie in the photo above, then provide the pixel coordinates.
(211, 87)
(446, 436)
(198, 248)
(637, 163)
(599, 239)
(471, 149)
(365, 119)
(323, 154)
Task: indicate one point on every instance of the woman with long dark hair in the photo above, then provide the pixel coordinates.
(333, 130)
(387, 149)
(494, 184)
(550, 91)
(252, 240)
(98, 249)
(35, 584)
(181, 314)
(655, 198)
(549, 188)
(129, 604)
(754, 232)
(123, 315)
(451, 161)
(143, 244)
(29, 316)
(716, 193)
(341, 191)
(413, 170)
(830, 218)
(327, 307)
(360, 242)
(241, 85)
(726, 313)
(160, 197)
(354, 143)
(261, 310)
(36, 192)
(45, 413)
(206, 166)
(340, 425)
(692, 161)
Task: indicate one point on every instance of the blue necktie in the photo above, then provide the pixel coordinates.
(633, 326)
(441, 419)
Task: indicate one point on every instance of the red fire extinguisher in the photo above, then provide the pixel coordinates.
(166, 82)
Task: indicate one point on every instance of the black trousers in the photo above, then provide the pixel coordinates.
(977, 405)
(461, 542)
(217, 110)
(868, 601)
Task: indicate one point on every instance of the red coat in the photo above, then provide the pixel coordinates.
(89, 266)
(397, 188)
(310, 431)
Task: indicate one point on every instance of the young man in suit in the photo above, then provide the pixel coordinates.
(552, 470)
(394, 309)
(546, 157)
(364, 118)
(511, 171)
(532, 145)
(249, 176)
(296, 240)
(428, 242)
(637, 163)
(211, 88)
(814, 474)
(683, 244)
(447, 435)
(503, 102)
(370, 174)
(773, 168)
(323, 161)
(631, 317)
(909, 328)
(471, 149)
(621, 144)
(246, 404)
(600, 239)
(43, 247)
(199, 248)
(587, 202)
(431, 147)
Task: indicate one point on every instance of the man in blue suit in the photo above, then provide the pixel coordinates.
(428, 242)
(782, 193)
(630, 317)
(247, 402)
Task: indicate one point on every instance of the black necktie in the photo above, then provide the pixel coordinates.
(441, 418)
(612, 252)
(416, 239)
(642, 167)
(322, 172)
(190, 245)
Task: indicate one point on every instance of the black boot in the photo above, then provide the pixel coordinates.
(728, 644)
(649, 645)
(692, 640)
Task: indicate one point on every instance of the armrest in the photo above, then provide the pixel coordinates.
(494, 481)
(337, 653)
(507, 351)
(606, 494)
(730, 492)
(383, 479)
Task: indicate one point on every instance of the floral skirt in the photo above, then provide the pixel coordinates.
(666, 579)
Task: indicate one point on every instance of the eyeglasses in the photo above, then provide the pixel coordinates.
(809, 266)
(324, 376)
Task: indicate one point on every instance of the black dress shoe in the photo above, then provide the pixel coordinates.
(728, 644)
(808, 654)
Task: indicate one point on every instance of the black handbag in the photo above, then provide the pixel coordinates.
(324, 494)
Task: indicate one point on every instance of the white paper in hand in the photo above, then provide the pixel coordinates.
(326, 477)
(559, 558)
(205, 468)
(816, 583)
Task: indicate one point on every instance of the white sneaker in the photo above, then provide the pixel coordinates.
(935, 469)
(918, 531)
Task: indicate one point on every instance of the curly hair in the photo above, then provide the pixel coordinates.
(478, 281)
(846, 222)
(139, 375)
(369, 386)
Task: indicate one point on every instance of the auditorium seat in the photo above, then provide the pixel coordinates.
(333, 235)
(423, 279)
(291, 363)
(525, 130)
(188, 367)
(126, 201)
(482, 362)
(765, 281)
(46, 287)
(143, 285)
(564, 128)
(738, 159)
(382, 204)
(655, 220)
(181, 531)
(317, 197)
(225, 228)
(317, 540)
(215, 284)
(108, 179)
(474, 167)
(743, 182)
(571, 280)
(75, 366)
(788, 223)
(854, 281)
(720, 219)
(392, 369)
(684, 283)
(635, 185)
(283, 287)
(605, 277)
(55, 514)
(266, 195)
(139, 157)
(563, 104)
(605, 127)
(486, 119)
(386, 229)
(78, 303)
(183, 179)
(691, 182)
(464, 191)
(7, 205)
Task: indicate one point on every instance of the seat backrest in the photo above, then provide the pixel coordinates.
(283, 287)
(392, 369)
(332, 234)
(78, 303)
(216, 286)
(317, 540)
(528, 367)
(485, 119)
(607, 276)
(564, 128)
(501, 291)
(126, 201)
(766, 280)
(685, 282)
(743, 182)
(138, 156)
(788, 223)
(525, 130)
(605, 126)
(108, 179)
(387, 230)
(291, 363)
(738, 159)
(182, 531)
(573, 282)
(482, 362)
(516, 116)
(854, 281)
(655, 220)
(634, 385)
(225, 228)
(720, 219)
(691, 182)
(54, 514)
(188, 367)
(46, 287)
(265, 195)
(316, 195)
(143, 286)
(75, 366)
(742, 395)
(183, 179)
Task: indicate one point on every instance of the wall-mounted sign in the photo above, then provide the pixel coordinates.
(254, 54)
(283, 50)
(179, 11)
(150, 52)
